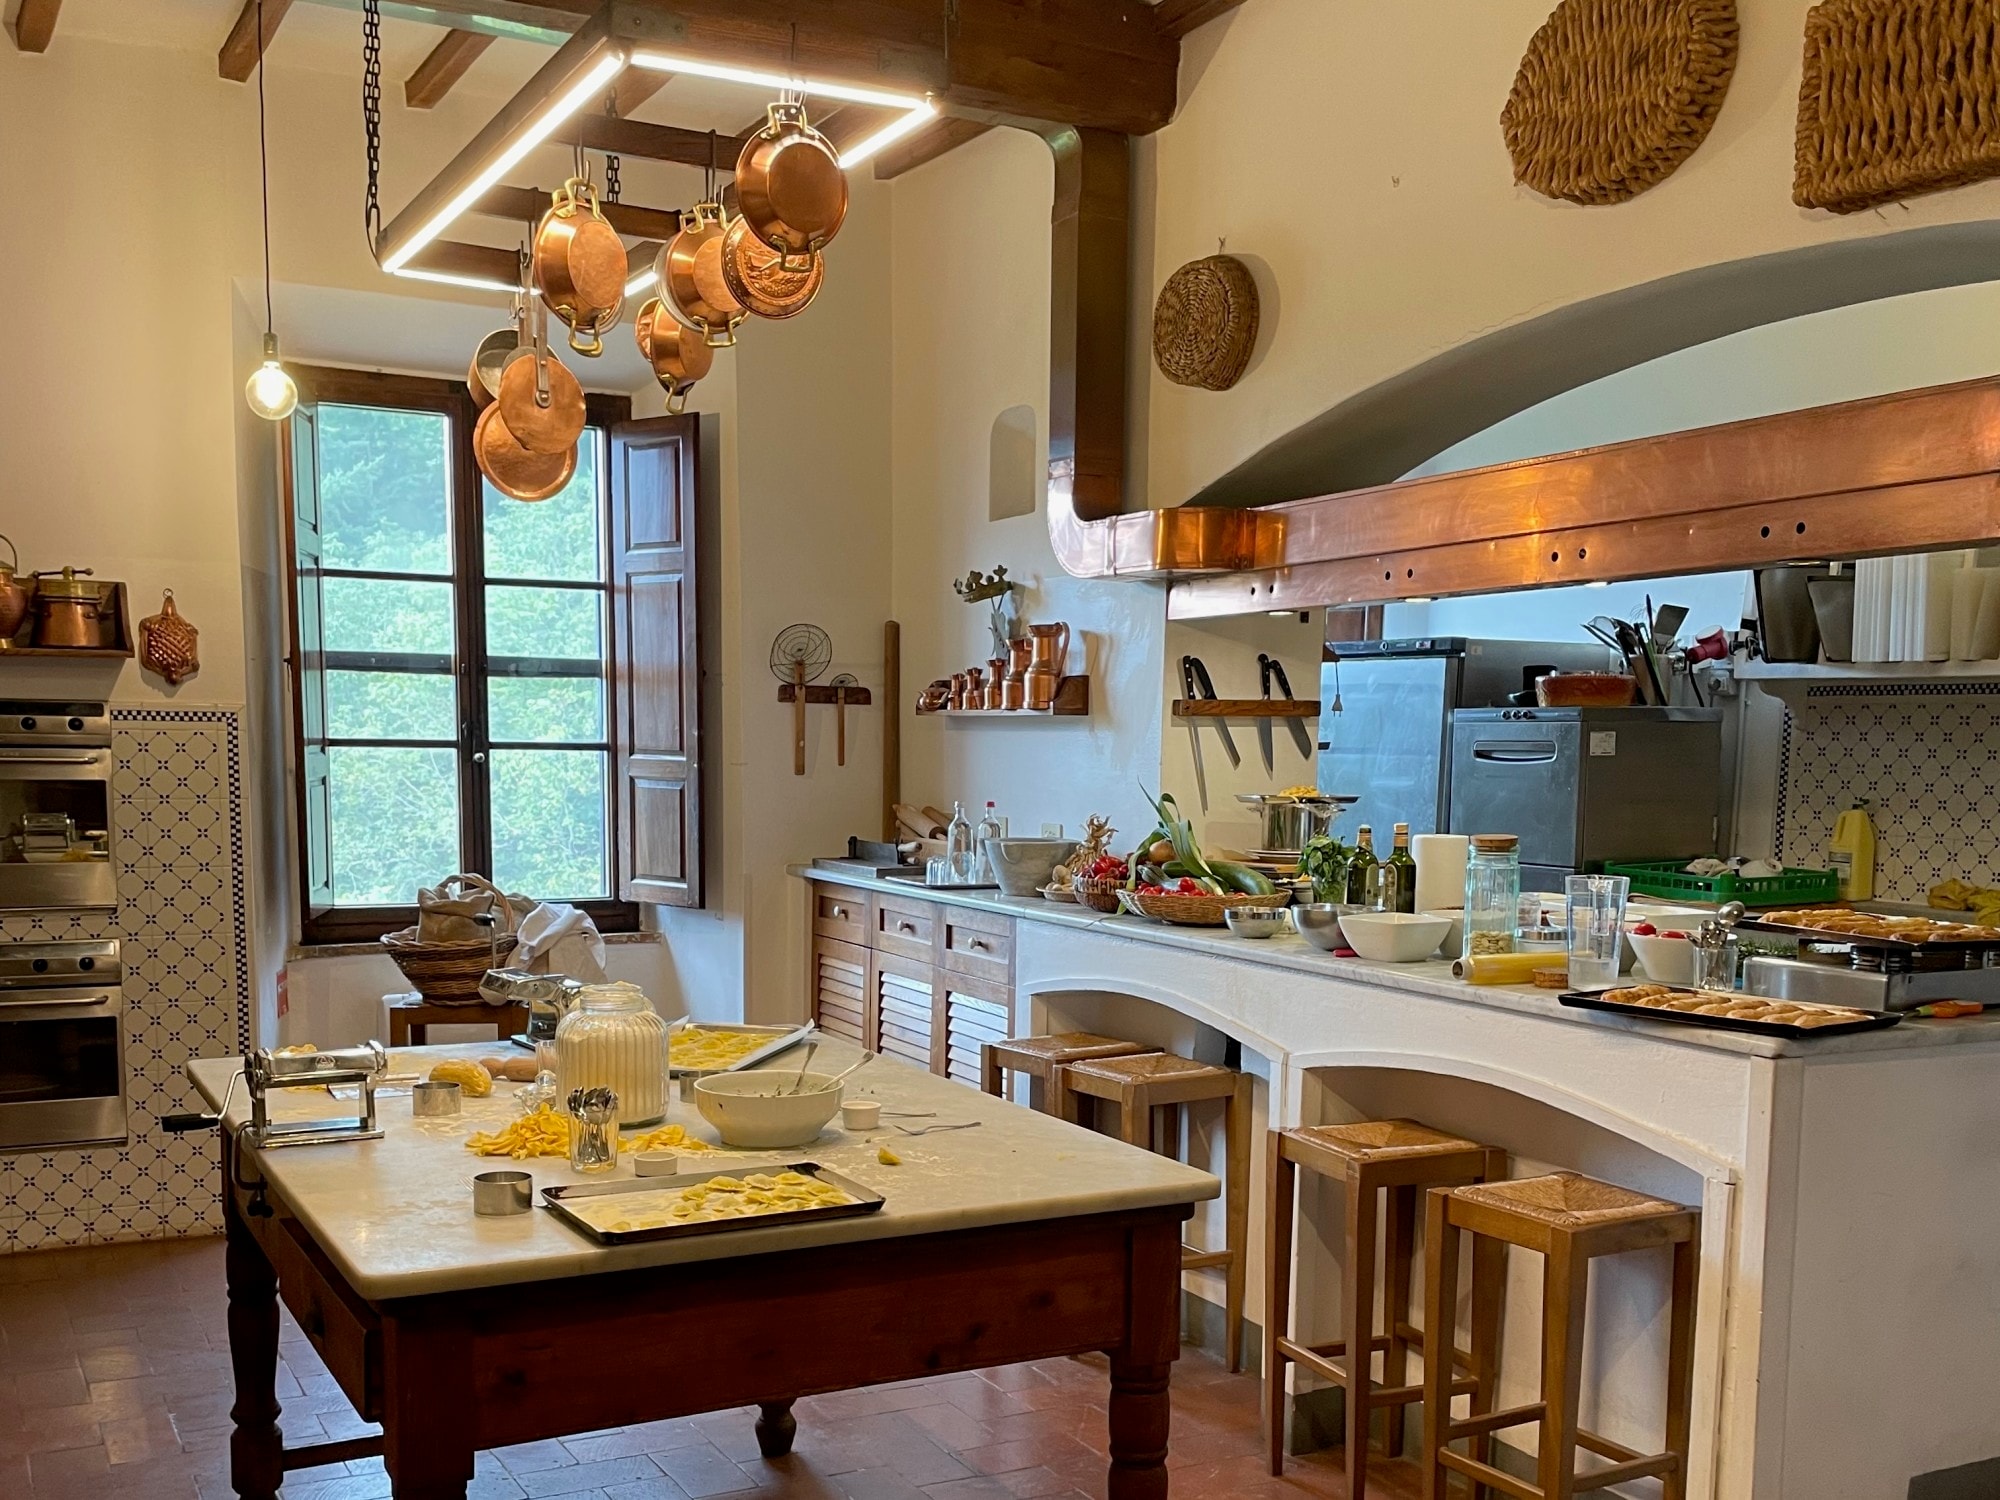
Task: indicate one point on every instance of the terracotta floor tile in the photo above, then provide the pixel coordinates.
(703, 1471)
(951, 1425)
(587, 1476)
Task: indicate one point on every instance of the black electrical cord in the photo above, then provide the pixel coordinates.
(264, 174)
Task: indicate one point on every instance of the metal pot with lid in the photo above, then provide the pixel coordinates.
(1290, 823)
(71, 610)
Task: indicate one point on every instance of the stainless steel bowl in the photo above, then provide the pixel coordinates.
(1318, 923)
(1256, 921)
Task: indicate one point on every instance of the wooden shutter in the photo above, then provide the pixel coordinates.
(308, 622)
(657, 651)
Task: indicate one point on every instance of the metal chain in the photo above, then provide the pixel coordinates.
(610, 177)
(371, 115)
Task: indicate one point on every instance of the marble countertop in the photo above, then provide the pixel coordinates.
(396, 1214)
(1432, 978)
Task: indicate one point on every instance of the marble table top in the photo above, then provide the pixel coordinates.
(395, 1215)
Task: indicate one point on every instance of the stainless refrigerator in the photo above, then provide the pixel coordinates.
(1385, 717)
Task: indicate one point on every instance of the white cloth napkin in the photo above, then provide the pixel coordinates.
(557, 938)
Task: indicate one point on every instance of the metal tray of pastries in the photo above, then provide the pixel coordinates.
(1730, 1010)
(1840, 924)
(630, 1211)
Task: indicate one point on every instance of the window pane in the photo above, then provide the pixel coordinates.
(545, 708)
(553, 538)
(375, 614)
(394, 823)
(390, 706)
(385, 489)
(565, 624)
(548, 823)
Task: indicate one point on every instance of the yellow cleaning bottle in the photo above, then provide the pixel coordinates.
(1851, 852)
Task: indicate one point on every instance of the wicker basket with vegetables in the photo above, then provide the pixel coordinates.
(1172, 881)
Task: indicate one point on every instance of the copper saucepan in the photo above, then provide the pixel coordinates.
(678, 354)
(514, 470)
(790, 187)
(760, 278)
(579, 266)
(690, 272)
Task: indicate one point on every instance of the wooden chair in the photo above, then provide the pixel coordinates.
(1570, 1220)
(1040, 1056)
(1372, 1158)
(1150, 1089)
(410, 1019)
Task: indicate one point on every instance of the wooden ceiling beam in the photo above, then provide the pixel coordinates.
(36, 24)
(445, 65)
(1178, 17)
(238, 58)
(689, 148)
(526, 205)
(634, 87)
(928, 144)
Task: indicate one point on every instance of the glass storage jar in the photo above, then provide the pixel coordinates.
(612, 1038)
(1492, 894)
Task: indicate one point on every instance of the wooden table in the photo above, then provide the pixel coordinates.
(411, 1018)
(1022, 1239)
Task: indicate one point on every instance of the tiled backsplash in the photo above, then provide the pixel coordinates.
(183, 924)
(1927, 758)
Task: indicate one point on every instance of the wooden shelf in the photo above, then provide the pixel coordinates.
(1072, 702)
(128, 631)
(1886, 671)
(1245, 708)
(854, 697)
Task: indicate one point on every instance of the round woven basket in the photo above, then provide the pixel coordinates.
(1613, 95)
(1196, 911)
(1098, 895)
(447, 973)
(1205, 323)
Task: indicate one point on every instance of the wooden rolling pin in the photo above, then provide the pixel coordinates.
(1501, 968)
(917, 822)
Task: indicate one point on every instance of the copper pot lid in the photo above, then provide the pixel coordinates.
(541, 402)
(67, 583)
(514, 470)
(763, 280)
(789, 184)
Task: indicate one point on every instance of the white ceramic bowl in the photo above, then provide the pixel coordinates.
(1667, 960)
(1022, 866)
(1256, 921)
(1454, 937)
(751, 1110)
(1393, 937)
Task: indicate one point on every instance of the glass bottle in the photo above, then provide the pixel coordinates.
(1492, 894)
(613, 1039)
(1400, 889)
(1361, 868)
(959, 849)
(989, 828)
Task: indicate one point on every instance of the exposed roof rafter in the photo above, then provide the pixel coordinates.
(238, 58)
(36, 24)
(443, 67)
(1178, 17)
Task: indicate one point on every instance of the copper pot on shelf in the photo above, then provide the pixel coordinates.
(70, 610)
(1050, 645)
(996, 692)
(958, 686)
(975, 687)
(1014, 691)
(16, 598)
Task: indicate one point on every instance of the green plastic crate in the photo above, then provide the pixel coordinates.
(1666, 878)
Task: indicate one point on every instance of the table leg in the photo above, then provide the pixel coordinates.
(776, 1427)
(427, 1408)
(1141, 1371)
(256, 1448)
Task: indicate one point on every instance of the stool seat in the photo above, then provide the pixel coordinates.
(1150, 1068)
(1380, 1140)
(1566, 1200)
(1069, 1046)
(1042, 1058)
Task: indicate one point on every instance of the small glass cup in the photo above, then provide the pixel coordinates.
(1594, 916)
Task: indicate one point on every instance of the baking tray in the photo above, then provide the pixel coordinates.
(782, 1038)
(1959, 945)
(556, 1200)
(1730, 1023)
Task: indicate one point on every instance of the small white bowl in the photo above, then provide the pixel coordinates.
(1256, 921)
(1667, 960)
(1393, 937)
(1454, 938)
(753, 1110)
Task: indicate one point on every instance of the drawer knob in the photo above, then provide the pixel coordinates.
(840, 911)
(906, 927)
(977, 945)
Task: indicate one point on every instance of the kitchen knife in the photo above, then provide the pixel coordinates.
(1299, 735)
(1194, 731)
(1264, 665)
(1207, 687)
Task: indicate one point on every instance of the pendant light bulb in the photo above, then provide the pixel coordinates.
(272, 392)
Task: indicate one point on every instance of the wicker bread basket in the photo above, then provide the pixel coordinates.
(449, 973)
(1098, 895)
(1196, 911)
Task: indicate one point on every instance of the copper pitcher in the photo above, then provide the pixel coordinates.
(975, 687)
(996, 682)
(15, 597)
(1014, 689)
(1045, 670)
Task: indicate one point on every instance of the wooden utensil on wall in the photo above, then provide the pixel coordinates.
(798, 656)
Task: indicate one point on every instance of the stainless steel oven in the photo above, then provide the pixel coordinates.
(62, 1045)
(55, 806)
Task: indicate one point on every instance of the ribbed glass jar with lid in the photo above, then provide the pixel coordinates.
(1492, 894)
(613, 1038)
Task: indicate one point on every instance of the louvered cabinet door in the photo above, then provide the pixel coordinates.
(842, 985)
(906, 996)
(976, 1011)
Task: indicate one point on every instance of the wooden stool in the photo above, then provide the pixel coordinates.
(1152, 1086)
(1040, 1056)
(1397, 1157)
(410, 1020)
(1570, 1220)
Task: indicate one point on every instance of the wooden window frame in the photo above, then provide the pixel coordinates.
(323, 924)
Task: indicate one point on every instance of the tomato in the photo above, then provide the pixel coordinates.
(1681, 935)
(1647, 929)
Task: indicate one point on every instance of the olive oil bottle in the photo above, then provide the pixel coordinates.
(1399, 886)
(1361, 868)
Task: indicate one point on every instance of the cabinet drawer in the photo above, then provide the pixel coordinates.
(905, 927)
(840, 913)
(979, 943)
(343, 1330)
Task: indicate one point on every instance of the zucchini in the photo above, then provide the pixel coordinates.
(1241, 878)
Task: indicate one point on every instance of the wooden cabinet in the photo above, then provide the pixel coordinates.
(918, 980)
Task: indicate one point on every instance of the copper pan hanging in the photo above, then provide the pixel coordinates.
(790, 187)
(760, 279)
(538, 396)
(513, 470)
(579, 266)
(690, 272)
(678, 354)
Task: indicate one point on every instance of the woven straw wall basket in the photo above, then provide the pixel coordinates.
(1613, 95)
(1897, 98)
(1205, 323)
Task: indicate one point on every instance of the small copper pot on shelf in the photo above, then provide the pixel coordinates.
(996, 682)
(958, 686)
(71, 610)
(975, 687)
